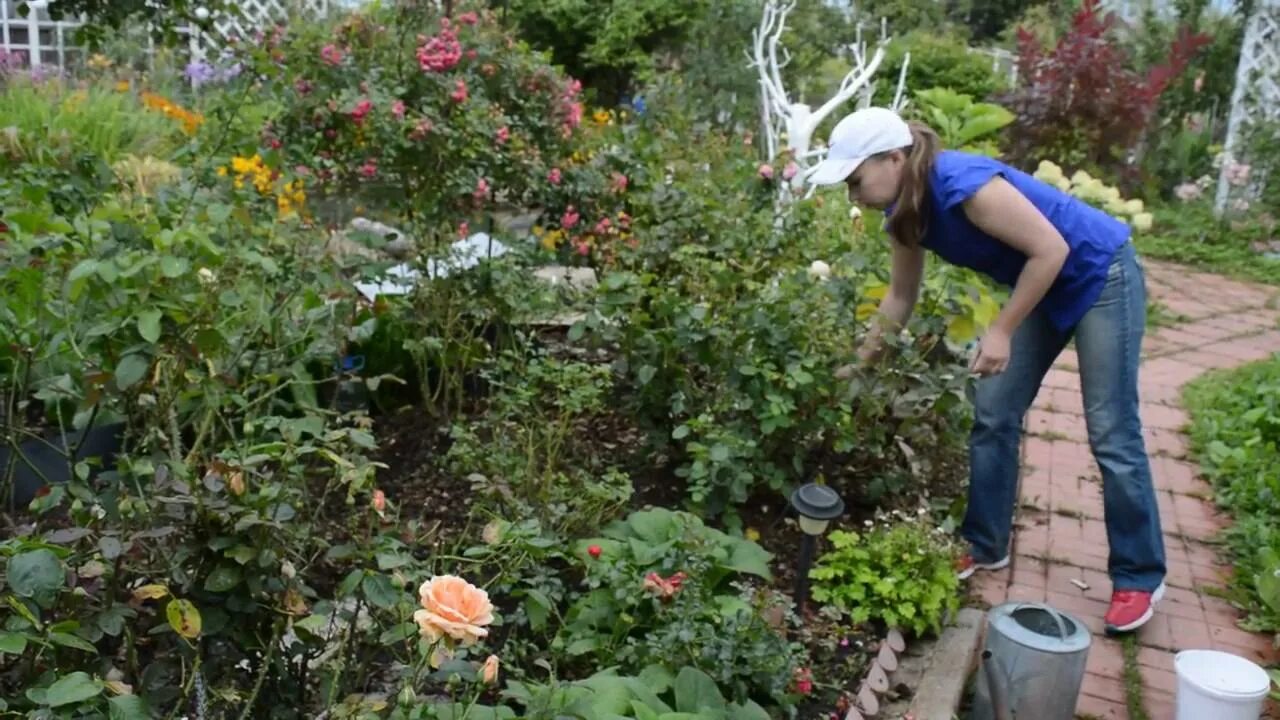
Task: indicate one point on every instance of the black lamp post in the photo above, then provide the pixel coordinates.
(817, 505)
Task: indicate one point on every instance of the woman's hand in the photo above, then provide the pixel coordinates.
(992, 356)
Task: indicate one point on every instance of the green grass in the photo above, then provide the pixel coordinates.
(1133, 697)
(1231, 260)
(94, 119)
(1235, 437)
(1160, 316)
(1192, 235)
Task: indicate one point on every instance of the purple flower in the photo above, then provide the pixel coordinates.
(200, 73)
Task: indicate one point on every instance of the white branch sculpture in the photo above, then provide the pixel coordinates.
(796, 121)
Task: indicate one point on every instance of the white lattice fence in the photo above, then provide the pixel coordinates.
(251, 16)
(1255, 101)
(40, 39)
(46, 42)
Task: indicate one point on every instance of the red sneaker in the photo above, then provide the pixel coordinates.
(967, 566)
(1131, 609)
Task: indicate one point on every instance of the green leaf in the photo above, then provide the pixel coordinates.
(131, 370)
(350, 583)
(12, 643)
(36, 574)
(398, 633)
(73, 688)
(646, 374)
(128, 707)
(391, 561)
(695, 691)
(380, 591)
(750, 711)
(582, 646)
(149, 325)
(748, 557)
(184, 618)
(681, 432)
(173, 267)
(82, 270)
(72, 641)
(223, 578)
(537, 607)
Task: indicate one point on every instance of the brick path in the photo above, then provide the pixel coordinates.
(1059, 534)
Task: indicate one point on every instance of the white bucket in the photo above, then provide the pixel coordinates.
(1219, 685)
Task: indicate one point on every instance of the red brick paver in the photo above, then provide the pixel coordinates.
(1059, 538)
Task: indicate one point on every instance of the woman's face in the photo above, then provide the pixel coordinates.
(877, 180)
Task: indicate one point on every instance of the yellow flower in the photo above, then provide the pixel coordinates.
(602, 117)
(122, 86)
(552, 239)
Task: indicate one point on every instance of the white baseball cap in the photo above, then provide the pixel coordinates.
(858, 136)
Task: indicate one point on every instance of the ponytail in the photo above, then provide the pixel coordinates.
(910, 218)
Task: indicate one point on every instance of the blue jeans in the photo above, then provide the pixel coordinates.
(1108, 343)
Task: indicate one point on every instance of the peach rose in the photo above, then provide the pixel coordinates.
(489, 671)
(453, 607)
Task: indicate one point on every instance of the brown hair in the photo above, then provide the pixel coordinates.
(910, 217)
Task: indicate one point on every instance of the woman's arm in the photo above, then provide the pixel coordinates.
(897, 304)
(1005, 214)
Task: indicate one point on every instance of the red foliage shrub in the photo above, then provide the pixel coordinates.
(1081, 103)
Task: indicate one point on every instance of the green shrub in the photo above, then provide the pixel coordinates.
(937, 61)
(902, 574)
(1235, 436)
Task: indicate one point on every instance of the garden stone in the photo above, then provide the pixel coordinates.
(576, 278)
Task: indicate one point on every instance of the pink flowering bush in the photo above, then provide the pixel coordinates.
(435, 128)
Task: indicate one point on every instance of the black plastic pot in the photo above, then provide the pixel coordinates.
(40, 463)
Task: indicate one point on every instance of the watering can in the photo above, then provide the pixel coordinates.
(1033, 664)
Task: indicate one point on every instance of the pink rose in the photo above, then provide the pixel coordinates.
(504, 134)
(363, 108)
(459, 94)
(397, 108)
(583, 248)
(369, 169)
(468, 18)
(569, 219)
(441, 52)
(619, 182)
(766, 171)
(602, 227)
(790, 170)
(331, 54)
(553, 177)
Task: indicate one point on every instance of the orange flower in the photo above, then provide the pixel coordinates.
(455, 608)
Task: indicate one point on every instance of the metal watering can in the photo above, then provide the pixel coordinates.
(1033, 664)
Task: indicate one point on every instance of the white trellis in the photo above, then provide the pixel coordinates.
(44, 41)
(1256, 98)
(249, 17)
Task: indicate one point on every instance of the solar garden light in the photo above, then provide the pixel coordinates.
(817, 506)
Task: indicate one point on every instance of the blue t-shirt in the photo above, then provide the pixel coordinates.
(1092, 235)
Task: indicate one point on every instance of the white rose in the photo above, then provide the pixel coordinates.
(819, 270)
(1142, 221)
